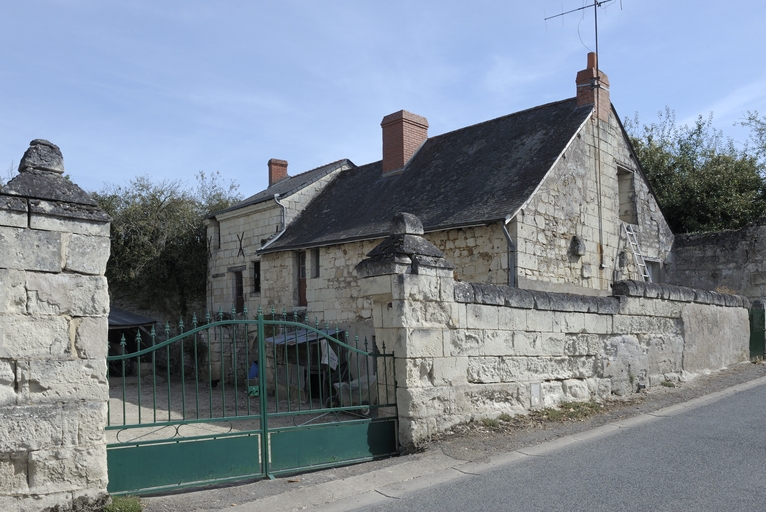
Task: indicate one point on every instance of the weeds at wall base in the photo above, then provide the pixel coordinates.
(124, 504)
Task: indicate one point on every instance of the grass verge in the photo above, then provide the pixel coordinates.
(124, 504)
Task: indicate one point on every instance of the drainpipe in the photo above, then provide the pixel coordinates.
(511, 256)
(284, 223)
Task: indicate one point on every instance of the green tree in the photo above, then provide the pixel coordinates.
(701, 180)
(159, 244)
(757, 125)
(9, 174)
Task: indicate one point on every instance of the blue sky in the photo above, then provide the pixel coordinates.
(168, 88)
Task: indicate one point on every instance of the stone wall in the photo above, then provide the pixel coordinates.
(732, 261)
(247, 228)
(491, 349)
(567, 204)
(54, 245)
(478, 253)
(468, 350)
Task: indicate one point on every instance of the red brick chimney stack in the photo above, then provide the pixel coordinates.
(277, 171)
(403, 134)
(593, 88)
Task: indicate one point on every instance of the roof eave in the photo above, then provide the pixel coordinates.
(339, 165)
(376, 236)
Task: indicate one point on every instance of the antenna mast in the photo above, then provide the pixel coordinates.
(597, 131)
(596, 4)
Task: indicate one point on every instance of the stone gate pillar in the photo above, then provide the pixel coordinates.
(412, 288)
(54, 244)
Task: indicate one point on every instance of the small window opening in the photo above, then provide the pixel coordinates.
(215, 234)
(654, 268)
(256, 277)
(239, 292)
(627, 196)
(315, 263)
(302, 279)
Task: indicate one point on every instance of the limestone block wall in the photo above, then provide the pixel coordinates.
(732, 261)
(567, 204)
(479, 254)
(246, 228)
(252, 224)
(53, 342)
(334, 296)
(476, 350)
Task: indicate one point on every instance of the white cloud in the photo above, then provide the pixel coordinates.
(733, 105)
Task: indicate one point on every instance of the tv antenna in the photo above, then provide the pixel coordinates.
(596, 133)
(596, 4)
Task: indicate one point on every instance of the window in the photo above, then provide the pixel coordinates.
(627, 196)
(315, 263)
(302, 279)
(214, 232)
(654, 268)
(239, 292)
(256, 277)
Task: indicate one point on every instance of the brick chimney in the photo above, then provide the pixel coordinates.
(593, 88)
(403, 134)
(277, 171)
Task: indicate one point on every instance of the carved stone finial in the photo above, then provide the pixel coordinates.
(404, 251)
(42, 156)
(405, 224)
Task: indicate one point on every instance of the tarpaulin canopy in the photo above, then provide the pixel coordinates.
(329, 357)
(302, 336)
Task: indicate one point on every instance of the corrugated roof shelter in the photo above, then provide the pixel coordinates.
(122, 319)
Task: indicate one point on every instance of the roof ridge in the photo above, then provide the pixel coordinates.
(310, 170)
(268, 193)
(502, 117)
(521, 148)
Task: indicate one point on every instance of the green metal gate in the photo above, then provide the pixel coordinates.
(757, 332)
(183, 412)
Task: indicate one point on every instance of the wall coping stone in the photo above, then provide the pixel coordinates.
(508, 296)
(13, 204)
(496, 295)
(633, 288)
(68, 210)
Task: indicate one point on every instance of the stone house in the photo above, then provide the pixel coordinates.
(237, 233)
(538, 199)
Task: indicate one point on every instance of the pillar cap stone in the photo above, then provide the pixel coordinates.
(41, 181)
(405, 223)
(404, 251)
(42, 155)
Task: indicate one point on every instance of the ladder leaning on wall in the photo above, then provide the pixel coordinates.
(636, 249)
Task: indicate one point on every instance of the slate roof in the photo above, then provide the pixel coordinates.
(288, 186)
(472, 176)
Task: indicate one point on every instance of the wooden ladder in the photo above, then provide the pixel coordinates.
(636, 249)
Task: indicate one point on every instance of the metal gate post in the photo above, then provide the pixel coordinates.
(265, 445)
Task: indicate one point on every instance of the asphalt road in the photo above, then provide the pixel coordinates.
(708, 458)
